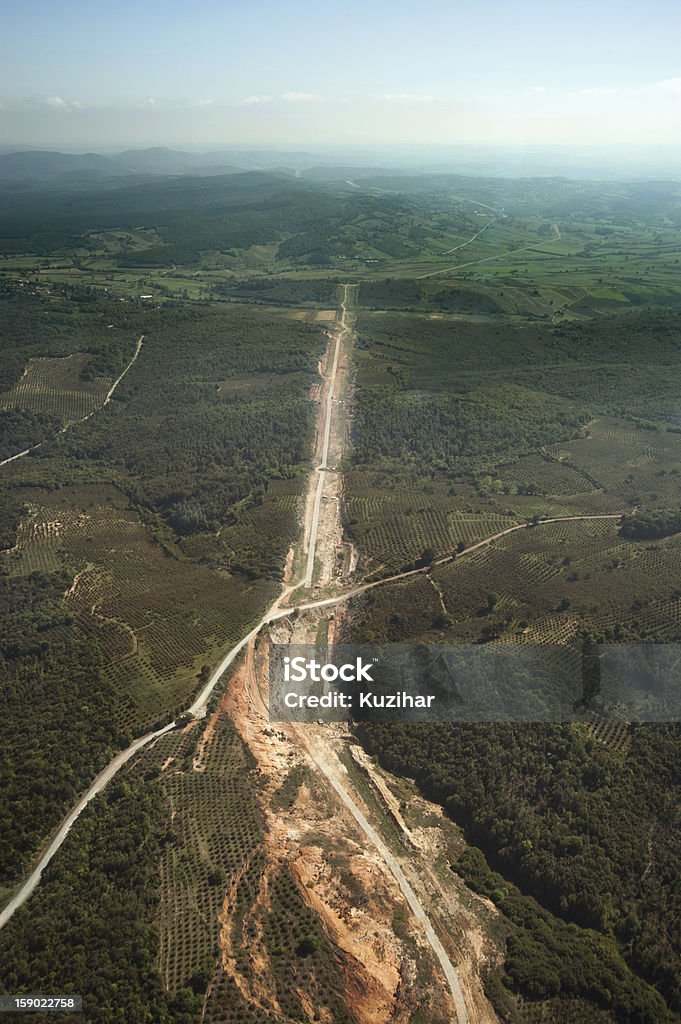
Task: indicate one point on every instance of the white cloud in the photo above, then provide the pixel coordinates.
(406, 97)
(53, 103)
(301, 97)
(672, 86)
(538, 89)
(598, 90)
(204, 103)
(253, 101)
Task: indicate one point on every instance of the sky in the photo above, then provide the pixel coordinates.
(207, 73)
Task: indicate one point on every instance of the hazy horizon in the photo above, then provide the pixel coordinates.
(610, 162)
(277, 75)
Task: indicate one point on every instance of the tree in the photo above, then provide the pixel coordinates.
(427, 558)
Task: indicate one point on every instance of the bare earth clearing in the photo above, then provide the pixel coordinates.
(332, 832)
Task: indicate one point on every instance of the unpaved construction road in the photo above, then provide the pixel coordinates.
(198, 708)
(341, 337)
(323, 763)
(327, 768)
(316, 743)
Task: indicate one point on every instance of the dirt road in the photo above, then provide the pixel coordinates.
(138, 349)
(488, 259)
(475, 263)
(316, 743)
(343, 330)
(198, 708)
(326, 766)
(446, 559)
(463, 245)
(97, 786)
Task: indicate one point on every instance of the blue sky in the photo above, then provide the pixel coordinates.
(296, 72)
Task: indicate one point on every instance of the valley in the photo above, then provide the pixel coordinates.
(314, 434)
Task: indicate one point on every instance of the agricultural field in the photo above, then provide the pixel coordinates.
(555, 580)
(147, 539)
(550, 250)
(461, 429)
(221, 899)
(157, 620)
(217, 833)
(56, 388)
(92, 921)
(392, 526)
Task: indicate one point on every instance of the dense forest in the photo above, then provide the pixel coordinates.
(437, 398)
(194, 432)
(50, 675)
(650, 525)
(190, 214)
(594, 840)
(289, 292)
(53, 323)
(223, 213)
(443, 433)
(59, 320)
(395, 293)
(99, 901)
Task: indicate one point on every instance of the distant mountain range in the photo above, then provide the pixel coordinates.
(31, 167)
(41, 165)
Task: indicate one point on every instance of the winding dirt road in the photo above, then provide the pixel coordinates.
(446, 559)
